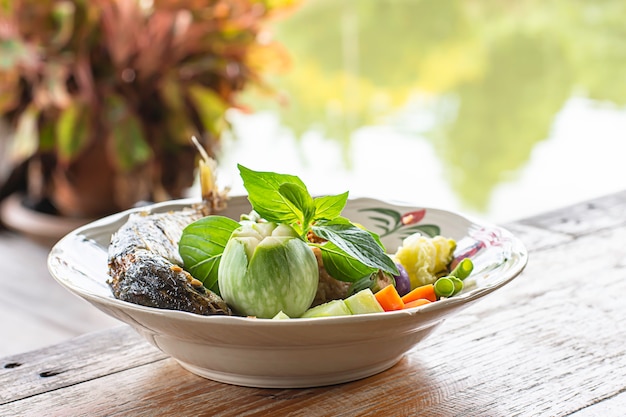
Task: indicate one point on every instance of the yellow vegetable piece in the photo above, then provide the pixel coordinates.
(424, 258)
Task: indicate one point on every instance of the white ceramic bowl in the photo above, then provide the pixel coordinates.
(297, 352)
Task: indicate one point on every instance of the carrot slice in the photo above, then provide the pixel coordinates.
(389, 299)
(425, 291)
(417, 303)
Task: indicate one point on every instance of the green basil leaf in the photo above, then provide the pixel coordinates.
(356, 242)
(129, 144)
(330, 207)
(264, 194)
(201, 246)
(301, 201)
(342, 266)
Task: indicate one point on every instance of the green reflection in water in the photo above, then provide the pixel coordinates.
(505, 68)
(502, 115)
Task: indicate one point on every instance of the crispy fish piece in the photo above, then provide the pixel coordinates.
(146, 268)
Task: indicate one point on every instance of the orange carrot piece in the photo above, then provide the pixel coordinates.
(389, 299)
(425, 291)
(417, 303)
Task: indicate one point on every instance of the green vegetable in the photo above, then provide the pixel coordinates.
(375, 282)
(266, 268)
(201, 247)
(331, 308)
(260, 273)
(281, 316)
(363, 302)
(444, 287)
(448, 286)
(352, 253)
(463, 269)
(458, 284)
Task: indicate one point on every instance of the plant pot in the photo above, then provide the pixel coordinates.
(90, 186)
(45, 229)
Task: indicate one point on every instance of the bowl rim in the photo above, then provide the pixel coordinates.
(514, 265)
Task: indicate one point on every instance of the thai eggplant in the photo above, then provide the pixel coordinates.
(266, 268)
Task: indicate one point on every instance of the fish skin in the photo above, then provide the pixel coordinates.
(146, 268)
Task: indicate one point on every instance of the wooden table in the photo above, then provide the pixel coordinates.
(551, 343)
(35, 311)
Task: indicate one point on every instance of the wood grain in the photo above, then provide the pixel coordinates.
(551, 343)
(35, 311)
(90, 356)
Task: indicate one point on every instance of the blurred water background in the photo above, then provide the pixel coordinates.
(500, 110)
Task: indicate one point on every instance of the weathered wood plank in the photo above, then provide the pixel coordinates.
(85, 358)
(169, 390)
(550, 343)
(23, 332)
(587, 217)
(35, 310)
(535, 238)
(613, 406)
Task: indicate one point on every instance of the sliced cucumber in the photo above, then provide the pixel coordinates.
(363, 302)
(331, 308)
(280, 316)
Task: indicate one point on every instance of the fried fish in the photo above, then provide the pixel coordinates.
(146, 268)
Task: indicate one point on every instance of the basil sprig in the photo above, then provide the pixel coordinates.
(349, 253)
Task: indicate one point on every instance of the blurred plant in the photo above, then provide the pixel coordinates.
(103, 96)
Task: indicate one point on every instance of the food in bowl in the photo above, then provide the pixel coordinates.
(291, 256)
(302, 352)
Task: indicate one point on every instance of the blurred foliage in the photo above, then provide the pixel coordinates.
(501, 71)
(499, 120)
(127, 82)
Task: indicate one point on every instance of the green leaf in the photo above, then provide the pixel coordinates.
(301, 201)
(129, 142)
(351, 252)
(356, 242)
(179, 126)
(342, 266)
(265, 196)
(46, 136)
(330, 207)
(72, 131)
(201, 246)
(209, 106)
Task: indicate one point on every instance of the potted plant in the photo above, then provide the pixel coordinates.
(99, 99)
